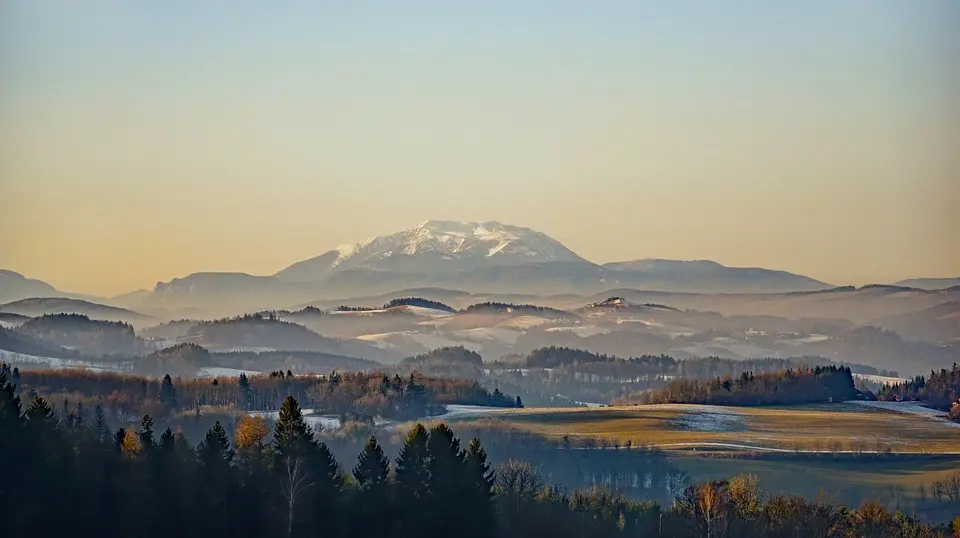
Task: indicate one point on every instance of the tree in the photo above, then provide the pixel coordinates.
(372, 476)
(413, 481)
(168, 394)
(245, 395)
(291, 435)
(214, 457)
(480, 481)
(294, 483)
(250, 440)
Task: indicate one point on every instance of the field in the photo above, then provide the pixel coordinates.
(827, 428)
(812, 450)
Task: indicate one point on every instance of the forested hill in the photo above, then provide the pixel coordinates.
(805, 385)
(76, 476)
(368, 394)
(940, 391)
(91, 337)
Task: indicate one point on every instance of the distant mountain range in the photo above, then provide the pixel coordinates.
(487, 257)
(473, 256)
(929, 283)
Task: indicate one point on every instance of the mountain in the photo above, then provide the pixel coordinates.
(437, 247)
(488, 257)
(14, 286)
(938, 324)
(929, 283)
(40, 306)
(707, 276)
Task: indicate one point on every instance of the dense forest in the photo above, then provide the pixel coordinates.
(499, 308)
(940, 391)
(804, 385)
(590, 377)
(420, 302)
(91, 337)
(77, 475)
(366, 394)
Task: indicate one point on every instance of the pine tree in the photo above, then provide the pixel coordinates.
(291, 435)
(480, 491)
(373, 500)
(413, 483)
(215, 480)
(447, 477)
(168, 394)
(373, 467)
(145, 433)
(245, 395)
(327, 490)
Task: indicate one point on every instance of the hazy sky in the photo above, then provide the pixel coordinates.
(140, 141)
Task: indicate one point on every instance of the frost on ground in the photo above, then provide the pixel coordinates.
(14, 358)
(879, 378)
(710, 419)
(217, 371)
(910, 408)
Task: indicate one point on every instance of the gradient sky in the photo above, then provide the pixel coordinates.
(141, 141)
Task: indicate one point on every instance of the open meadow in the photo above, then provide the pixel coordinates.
(827, 428)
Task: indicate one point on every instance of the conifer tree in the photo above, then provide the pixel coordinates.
(168, 394)
(373, 498)
(291, 435)
(480, 479)
(413, 483)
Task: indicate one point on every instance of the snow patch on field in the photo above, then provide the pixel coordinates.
(217, 371)
(14, 358)
(711, 420)
(880, 378)
(910, 408)
(582, 332)
(481, 334)
(524, 322)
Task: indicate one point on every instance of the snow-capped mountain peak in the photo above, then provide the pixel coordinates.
(437, 245)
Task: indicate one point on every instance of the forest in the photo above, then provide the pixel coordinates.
(940, 391)
(77, 476)
(364, 394)
(590, 377)
(792, 386)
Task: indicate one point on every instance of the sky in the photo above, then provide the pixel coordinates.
(141, 141)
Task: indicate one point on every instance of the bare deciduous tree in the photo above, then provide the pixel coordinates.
(295, 483)
(519, 481)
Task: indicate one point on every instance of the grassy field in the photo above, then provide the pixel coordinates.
(827, 428)
(714, 442)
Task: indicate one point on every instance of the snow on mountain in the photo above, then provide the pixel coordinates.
(437, 245)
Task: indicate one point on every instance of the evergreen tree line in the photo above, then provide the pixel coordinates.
(940, 391)
(75, 476)
(804, 385)
(584, 376)
(364, 393)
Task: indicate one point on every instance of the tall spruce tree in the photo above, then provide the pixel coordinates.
(413, 483)
(291, 435)
(480, 479)
(215, 481)
(168, 394)
(374, 509)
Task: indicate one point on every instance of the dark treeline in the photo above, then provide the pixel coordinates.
(805, 385)
(94, 337)
(941, 391)
(590, 377)
(368, 394)
(418, 301)
(78, 476)
(455, 362)
(498, 308)
(15, 342)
